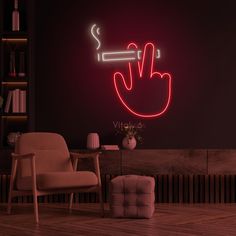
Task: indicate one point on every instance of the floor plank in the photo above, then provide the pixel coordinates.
(168, 220)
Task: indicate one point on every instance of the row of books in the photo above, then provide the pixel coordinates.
(16, 101)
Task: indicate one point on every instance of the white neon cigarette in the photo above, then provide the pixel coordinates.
(126, 55)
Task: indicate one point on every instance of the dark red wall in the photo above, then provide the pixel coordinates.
(75, 94)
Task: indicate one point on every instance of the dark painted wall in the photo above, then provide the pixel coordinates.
(75, 94)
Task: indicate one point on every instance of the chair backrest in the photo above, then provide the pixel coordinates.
(51, 152)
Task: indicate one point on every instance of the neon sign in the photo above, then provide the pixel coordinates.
(140, 69)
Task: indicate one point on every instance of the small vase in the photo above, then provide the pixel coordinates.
(93, 141)
(129, 143)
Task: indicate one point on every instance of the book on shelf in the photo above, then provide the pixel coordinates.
(8, 101)
(16, 99)
(22, 102)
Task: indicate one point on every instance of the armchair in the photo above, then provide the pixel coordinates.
(42, 165)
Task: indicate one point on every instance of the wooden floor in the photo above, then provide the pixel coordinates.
(169, 219)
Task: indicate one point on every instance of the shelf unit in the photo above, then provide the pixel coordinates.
(16, 70)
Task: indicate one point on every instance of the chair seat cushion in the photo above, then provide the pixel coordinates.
(58, 180)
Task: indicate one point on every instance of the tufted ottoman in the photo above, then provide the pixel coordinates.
(132, 196)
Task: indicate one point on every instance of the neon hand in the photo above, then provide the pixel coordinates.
(144, 92)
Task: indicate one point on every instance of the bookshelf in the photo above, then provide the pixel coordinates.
(16, 70)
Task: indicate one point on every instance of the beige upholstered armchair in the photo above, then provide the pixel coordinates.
(42, 165)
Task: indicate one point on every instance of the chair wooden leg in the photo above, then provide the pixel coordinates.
(101, 202)
(36, 214)
(9, 201)
(71, 200)
(12, 180)
(34, 189)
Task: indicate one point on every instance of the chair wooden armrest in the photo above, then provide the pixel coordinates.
(23, 156)
(94, 155)
(75, 156)
(15, 159)
(18, 157)
(78, 155)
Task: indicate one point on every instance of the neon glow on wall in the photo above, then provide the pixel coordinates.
(143, 61)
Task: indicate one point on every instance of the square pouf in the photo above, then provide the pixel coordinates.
(132, 196)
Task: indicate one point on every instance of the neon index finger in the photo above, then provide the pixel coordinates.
(148, 53)
(131, 46)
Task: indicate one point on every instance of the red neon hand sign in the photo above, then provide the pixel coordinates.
(132, 92)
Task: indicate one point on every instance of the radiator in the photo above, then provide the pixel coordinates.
(195, 188)
(169, 189)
